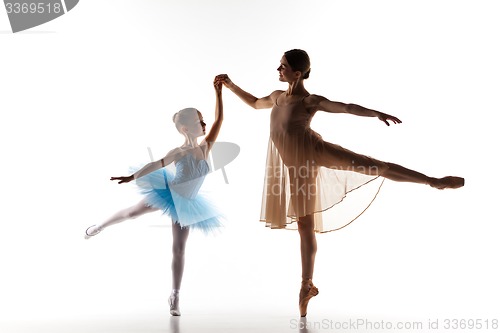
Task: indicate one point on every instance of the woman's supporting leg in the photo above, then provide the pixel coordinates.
(308, 248)
(137, 210)
(180, 236)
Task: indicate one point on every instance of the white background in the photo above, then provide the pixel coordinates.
(83, 96)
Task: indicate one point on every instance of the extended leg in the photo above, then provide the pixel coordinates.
(139, 209)
(336, 157)
(308, 248)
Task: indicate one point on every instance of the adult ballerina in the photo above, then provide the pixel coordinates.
(301, 166)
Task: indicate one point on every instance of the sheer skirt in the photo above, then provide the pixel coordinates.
(306, 175)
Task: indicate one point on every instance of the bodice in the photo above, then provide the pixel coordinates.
(189, 176)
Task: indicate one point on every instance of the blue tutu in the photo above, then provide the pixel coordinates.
(177, 195)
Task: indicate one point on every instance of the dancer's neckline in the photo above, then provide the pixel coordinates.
(290, 103)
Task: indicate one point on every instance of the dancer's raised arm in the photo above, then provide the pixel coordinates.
(251, 100)
(321, 103)
(219, 116)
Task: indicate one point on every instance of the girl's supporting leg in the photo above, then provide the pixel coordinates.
(137, 210)
(180, 236)
(308, 248)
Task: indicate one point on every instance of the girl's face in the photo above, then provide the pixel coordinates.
(196, 125)
(286, 73)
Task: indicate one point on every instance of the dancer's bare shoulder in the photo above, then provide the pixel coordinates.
(177, 153)
(275, 94)
(268, 101)
(319, 103)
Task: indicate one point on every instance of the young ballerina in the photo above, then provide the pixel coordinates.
(177, 196)
(306, 175)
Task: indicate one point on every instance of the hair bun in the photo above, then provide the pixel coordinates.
(306, 74)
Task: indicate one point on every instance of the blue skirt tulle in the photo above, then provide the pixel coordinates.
(197, 213)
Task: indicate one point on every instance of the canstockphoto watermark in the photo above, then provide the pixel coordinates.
(364, 324)
(310, 169)
(356, 324)
(26, 14)
(302, 178)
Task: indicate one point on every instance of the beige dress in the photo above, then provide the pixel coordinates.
(303, 175)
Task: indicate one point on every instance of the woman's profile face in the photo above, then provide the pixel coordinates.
(286, 74)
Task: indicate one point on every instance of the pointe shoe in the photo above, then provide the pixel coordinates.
(92, 231)
(449, 182)
(173, 301)
(307, 291)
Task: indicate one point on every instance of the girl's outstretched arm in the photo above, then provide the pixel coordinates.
(150, 167)
(256, 103)
(323, 104)
(219, 117)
